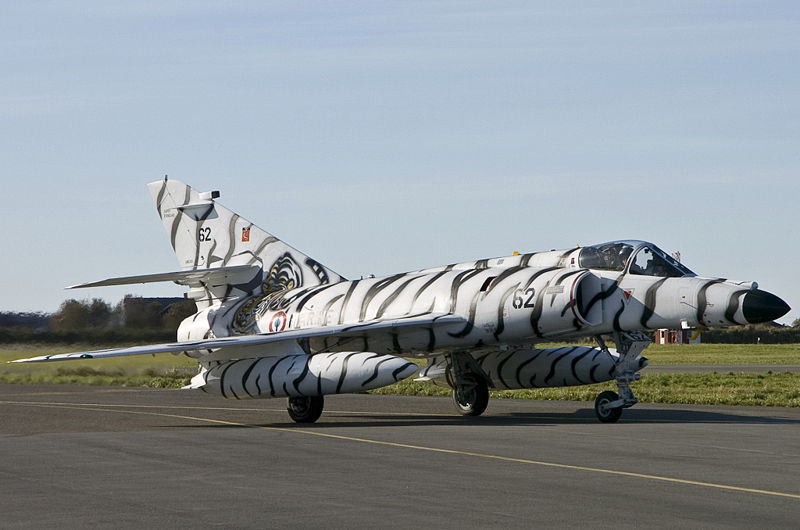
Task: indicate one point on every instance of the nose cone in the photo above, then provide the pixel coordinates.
(761, 306)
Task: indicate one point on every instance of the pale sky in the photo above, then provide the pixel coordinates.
(380, 137)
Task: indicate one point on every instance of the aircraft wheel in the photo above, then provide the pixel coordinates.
(605, 413)
(471, 399)
(305, 409)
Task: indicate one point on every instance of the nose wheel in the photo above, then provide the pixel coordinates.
(608, 405)
(603, 409)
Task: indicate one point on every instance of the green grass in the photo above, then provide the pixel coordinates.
(723, 354)
(751, 389)
(159, 371)
(758, 389)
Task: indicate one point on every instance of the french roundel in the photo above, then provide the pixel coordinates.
(278, 322)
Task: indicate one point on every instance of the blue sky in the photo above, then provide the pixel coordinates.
(386, 136)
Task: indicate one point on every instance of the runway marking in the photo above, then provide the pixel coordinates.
(659, 478)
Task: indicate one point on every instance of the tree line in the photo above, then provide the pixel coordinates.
(768, 333)
(130, 320)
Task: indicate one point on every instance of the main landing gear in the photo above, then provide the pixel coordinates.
(305, 409)
(471, 398)
(608, 405)
(469, 383)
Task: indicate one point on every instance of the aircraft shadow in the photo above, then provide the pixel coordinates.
(582, 416)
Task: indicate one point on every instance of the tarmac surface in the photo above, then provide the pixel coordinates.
(101, 457)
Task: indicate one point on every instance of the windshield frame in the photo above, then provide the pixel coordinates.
(606, 256)
(674, 267)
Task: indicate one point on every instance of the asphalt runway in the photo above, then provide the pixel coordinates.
(102, 457)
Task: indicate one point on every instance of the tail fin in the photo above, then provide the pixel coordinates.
(206, 235)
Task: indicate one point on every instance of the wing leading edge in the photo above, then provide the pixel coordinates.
(289, 338)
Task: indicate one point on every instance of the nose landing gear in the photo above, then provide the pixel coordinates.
(605, 413)
(608, 405)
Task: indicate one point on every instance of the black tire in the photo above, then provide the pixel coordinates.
(305, 409)
(601, 409)
(471, 399)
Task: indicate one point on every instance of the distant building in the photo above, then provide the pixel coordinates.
(676, 336)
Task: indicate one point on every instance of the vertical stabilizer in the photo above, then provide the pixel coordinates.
(206, 235)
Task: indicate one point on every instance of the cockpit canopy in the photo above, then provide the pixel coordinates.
(635, 257)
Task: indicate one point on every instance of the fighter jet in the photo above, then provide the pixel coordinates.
(273, 322)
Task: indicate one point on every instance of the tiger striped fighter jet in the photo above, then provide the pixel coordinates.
(273, 322)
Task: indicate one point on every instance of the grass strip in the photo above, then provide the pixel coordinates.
(723, 354)
(84, 375)
(745, 389)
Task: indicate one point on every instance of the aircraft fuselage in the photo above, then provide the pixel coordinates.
(501, 305)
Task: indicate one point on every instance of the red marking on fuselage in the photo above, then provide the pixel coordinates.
(278, 322)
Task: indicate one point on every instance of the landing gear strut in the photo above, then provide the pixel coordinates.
(470, 388)
(608, 405)
(305, 409)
